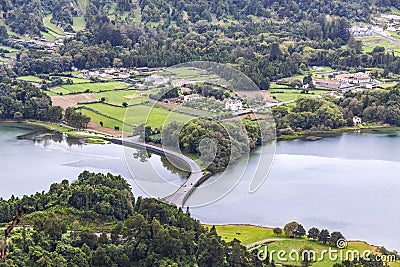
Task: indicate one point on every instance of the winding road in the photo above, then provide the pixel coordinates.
(196, 178)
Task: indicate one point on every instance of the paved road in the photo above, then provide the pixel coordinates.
(196, 178)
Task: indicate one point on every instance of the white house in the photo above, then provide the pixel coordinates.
(191, 97)
(139, 86)
(356, 78)
(370, 86)
(356, 120)
(233, 104)
(156, 79)
(124, 75)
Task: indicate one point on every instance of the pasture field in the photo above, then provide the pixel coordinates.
(77, 80)
(53, 29)
(249, 234)
(59, 90)
(48, 36)
(387, 85)
(183, 72)
(78, 23)
(97, 118)
(132, 97)
(151, 116)
(30, 79)
(10, 49)
(94, 87)
(273, 86)
(284, 95)
(369, 43)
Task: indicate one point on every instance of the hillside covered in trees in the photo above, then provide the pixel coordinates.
(267, 40)
(96, 221)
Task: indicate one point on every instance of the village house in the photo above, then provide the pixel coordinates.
(142, 69)
(233, 104)
(156, 79)
(329, 84)
(139, 86)
(370, 86)
(361, 31)
(178, 83)
(110, 70)
(171, 100)
(123, 75)
(357, 120)
(191, 97)
(355, 78)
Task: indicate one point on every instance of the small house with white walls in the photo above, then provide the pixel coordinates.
(233, 104)
(357, 120)
(191, 97)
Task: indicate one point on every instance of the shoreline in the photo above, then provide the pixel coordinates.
(246, 228)
(310, 135)
(306, 135)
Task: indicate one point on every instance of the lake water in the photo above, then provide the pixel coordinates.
(348, 183)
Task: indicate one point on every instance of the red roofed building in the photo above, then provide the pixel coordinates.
(359, 77)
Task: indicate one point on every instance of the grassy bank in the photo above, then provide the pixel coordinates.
(315, 135)
(70, 131)
(249, 235)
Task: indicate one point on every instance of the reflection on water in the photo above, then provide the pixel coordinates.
(32, 158)
(45, 136)
(346, 183)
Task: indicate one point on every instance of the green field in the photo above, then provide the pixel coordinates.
(76, 80)
(37, 79)
(48, 36)
(250, 234)
(132, 97)
(79, 23)
(292, 94)
(30, 79)
(58, 90)
(278, 86)
(387, 85)
(247, 234)
(53, 29)
(395, 11)
(152, 116)
(94, 87)
(183, 72)
(10, 49)
(97, 118)
(369, 43)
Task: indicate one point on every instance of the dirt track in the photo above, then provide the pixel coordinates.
(68, 101)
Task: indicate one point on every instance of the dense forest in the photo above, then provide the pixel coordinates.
(20, 100)
(96, 221)
(332, 113)
(267, 40)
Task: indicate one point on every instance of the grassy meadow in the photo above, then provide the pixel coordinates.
(94, 87)
(138, 114)
(284, 95)
(249, 234)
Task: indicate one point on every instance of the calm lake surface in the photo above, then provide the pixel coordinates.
(348, 183)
